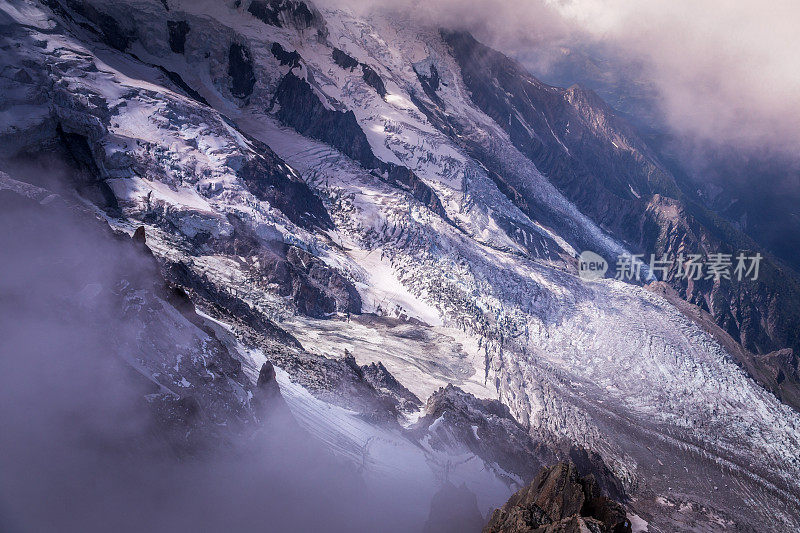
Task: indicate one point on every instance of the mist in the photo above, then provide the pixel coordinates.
(80, 450)
(725, 70)
(722, 71)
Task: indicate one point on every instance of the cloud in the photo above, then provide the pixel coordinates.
(79, 450)
(723, 70)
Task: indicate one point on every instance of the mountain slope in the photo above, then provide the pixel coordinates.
(291, 188)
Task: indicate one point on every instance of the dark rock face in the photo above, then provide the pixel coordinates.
(86, 177)
(266, 377)
(240, 69)
(487, 429)
(343, 60)
(454, 510)
(139, 237)
(267, 384)
(223, 305)
(176, 78)
(564, 133)
(269, 179)
(763, 315)
(315, 289)
(111, 31)
(285, 57)
(265, 12)
(559, 500)
(430, 84)
(369, 75)
(784, 366)
(337, 381)
(404, 178)
(373, 79)
(782, 375)
(178, 29)
(722, 178)
(376, 375)
(301, 109)
(279, 12)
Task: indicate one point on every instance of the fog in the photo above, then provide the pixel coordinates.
(725, 70)
(79, 450)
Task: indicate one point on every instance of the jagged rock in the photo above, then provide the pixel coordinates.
(139, 236)
(87, 177)
(268, 392)
(454, 510)
(784, 364)
(279, 12)
(315, 289)
(760, 314)
(301, 109)
(344, 293)
(430, 82)
(111, 31)
(267, 179)
(405, 178)
(266, 379)
(175, 78)
(486, 428)
(558, 500)
(376, 375)
(338, 381)
(266, 12)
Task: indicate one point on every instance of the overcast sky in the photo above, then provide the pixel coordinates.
(725, 70)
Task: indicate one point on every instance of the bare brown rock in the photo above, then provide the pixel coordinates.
(559, 500)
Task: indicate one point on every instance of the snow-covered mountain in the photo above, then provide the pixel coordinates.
(390, 215)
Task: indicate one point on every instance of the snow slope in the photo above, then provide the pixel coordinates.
(607, 365)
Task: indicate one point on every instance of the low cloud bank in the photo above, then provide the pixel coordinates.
(79, 451)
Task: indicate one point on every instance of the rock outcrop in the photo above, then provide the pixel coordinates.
(376, 375)
(455, 418)
(559, 501)
(298, 105)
